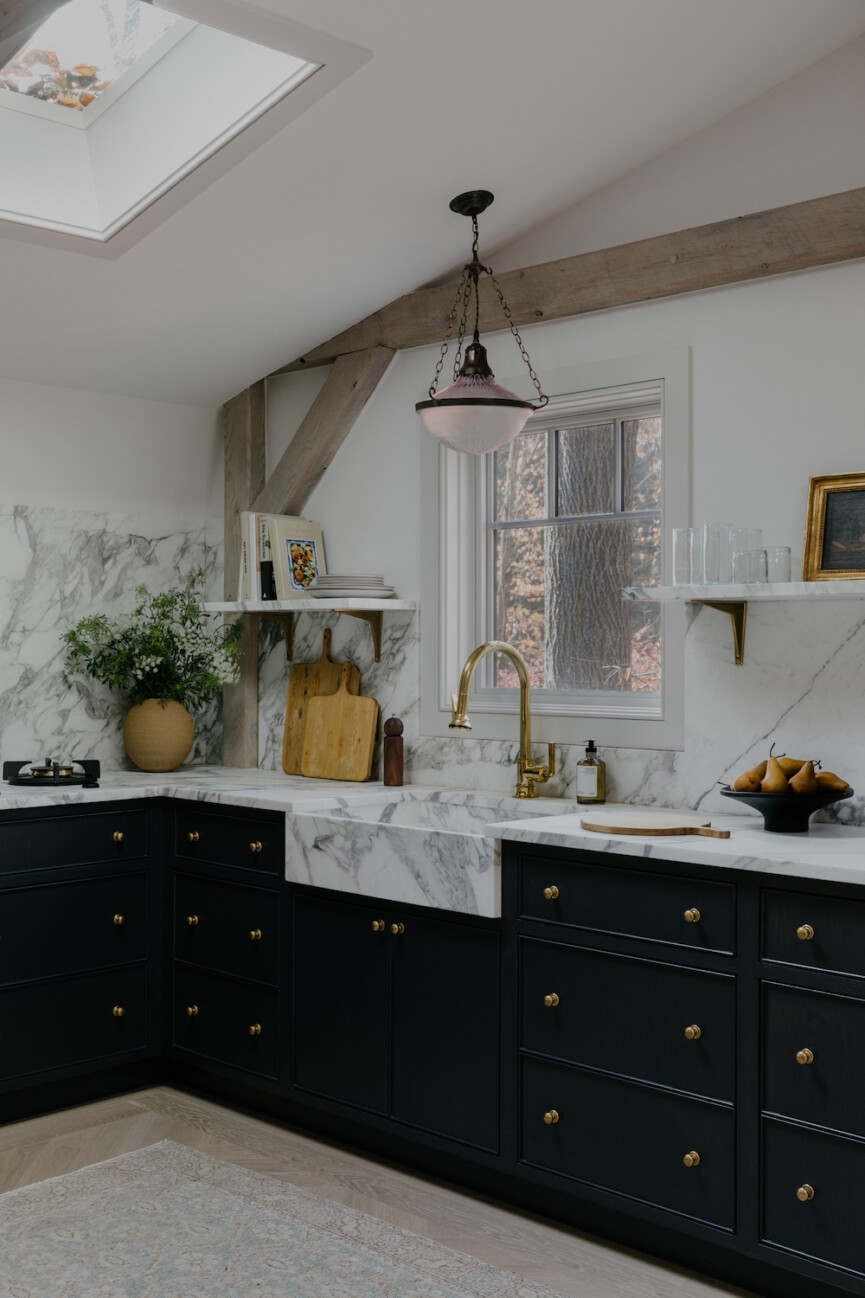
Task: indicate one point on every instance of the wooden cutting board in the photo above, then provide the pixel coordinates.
(652, 823)
(307, 681)
(339, 740)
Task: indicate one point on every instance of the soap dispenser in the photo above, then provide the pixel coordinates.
(591, 776)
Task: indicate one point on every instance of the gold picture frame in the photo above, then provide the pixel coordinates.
(835, 530)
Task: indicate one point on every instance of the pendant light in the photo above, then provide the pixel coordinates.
(475, 414)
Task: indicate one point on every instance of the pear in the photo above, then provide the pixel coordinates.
(774, 781)
(805, 781)
(828, 780)
(749, 781)
(791, 765)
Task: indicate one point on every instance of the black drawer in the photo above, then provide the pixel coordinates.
(249, 841)
(658, 907)
(233, 1022)
(630, 1017)
(814, 1057)
(227, 926)
(814, 932)
(72, 1021)
(827, 1226)
(629, 1139)
(59, 928)
(73, 840)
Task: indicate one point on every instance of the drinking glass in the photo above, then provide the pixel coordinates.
(749, 565)
(687, 556)
(718, 552)
(778, 562)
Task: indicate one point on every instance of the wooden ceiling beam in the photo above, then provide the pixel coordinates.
(817, 232)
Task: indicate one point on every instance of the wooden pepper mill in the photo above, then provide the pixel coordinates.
(393, 751)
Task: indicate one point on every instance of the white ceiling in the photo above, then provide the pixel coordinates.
(347, 207)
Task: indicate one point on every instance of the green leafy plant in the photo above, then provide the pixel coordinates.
(163, 650)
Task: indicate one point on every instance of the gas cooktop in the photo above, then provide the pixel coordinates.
(49, 774)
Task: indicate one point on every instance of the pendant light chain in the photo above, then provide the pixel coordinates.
(516, 333)
(449, 331)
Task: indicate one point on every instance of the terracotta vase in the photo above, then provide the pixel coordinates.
(158, 736)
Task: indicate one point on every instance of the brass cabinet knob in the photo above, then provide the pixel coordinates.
(192, 920)
(118, 836)
(551, 1001)
(255, 1030)
(804, 932)
(396, 929)
(804, 1056)
(192, 836)
(255, 935)
(693, 1032)
(118, 1011)
(255, 847)
(378, 926)
(118, 920)
(551, 1117)
(551, 893)
(692, 915)
(691, 1159)
(804, 1193)
(191, 1011)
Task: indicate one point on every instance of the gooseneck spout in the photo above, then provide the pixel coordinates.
(528, 773)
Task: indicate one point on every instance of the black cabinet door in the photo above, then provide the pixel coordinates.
(340, 1001)
(254, 842)
(814, 932)
(226, 1019)
(227, 926)
(445, 1028)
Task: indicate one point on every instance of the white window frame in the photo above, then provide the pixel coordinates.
(454, 573)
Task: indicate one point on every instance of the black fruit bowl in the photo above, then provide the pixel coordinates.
(787, 813)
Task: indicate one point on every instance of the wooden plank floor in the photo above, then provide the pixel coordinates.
(564, 1259)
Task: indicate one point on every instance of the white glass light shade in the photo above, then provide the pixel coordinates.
(475, 414)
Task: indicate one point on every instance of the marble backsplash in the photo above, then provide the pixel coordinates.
(57, 566)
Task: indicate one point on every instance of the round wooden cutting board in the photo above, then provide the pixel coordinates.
(651, 823)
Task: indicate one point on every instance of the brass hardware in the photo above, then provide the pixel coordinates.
(193, 836)
(528, 772)
(118, 1011)
(804, 932)
(378, 926)
(804, 1193)
(551, 893)
(191, 1011)
(693, 1033)
(738, 611)
(118, 920)
(255, 935)
(396, 929)
(255, 1030)
(374, 620)
(118, 836)
(551, 1001)
(255, 847)
(551, 1117)
(692, 916)
(692, 1159)
(805, 1056)
(192, 920)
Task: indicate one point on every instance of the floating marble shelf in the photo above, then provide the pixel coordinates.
(283, 611)
(734, 599)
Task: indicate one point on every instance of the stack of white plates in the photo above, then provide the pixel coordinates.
(350, 586)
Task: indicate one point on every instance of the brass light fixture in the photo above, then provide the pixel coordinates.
(475, 414)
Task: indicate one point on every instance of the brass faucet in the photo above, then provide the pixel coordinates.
(528, 773)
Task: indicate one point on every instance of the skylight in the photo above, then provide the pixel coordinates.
(82, 49)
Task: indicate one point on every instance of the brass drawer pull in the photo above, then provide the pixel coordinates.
(118, 836)
(804, 1056)
(692, 1159)
(191, 1011)
(192, 836)
(255, 935)
(378, 926)
(551, 1001)
(396, 929)
(551, 1117)
(255, 1030)
(192, 920)
(804, 1193)
(805, 933)
(692, 915)
(118, 920)
(118, 1011)
(693, 1032)
(255, 847)
(551, 893)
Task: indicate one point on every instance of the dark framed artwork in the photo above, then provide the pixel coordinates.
(835, 531)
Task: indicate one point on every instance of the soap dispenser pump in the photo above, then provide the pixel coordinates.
(591, 776)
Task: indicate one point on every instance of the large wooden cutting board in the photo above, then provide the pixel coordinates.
(307, 681)
(339, 740)
(651, 823)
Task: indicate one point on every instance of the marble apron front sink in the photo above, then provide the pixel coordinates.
(428, 847)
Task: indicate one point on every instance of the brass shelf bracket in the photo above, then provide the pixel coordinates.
(375, 619)
(286, 621)
(737, 609)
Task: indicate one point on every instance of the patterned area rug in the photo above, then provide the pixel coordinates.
(168, 1222)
